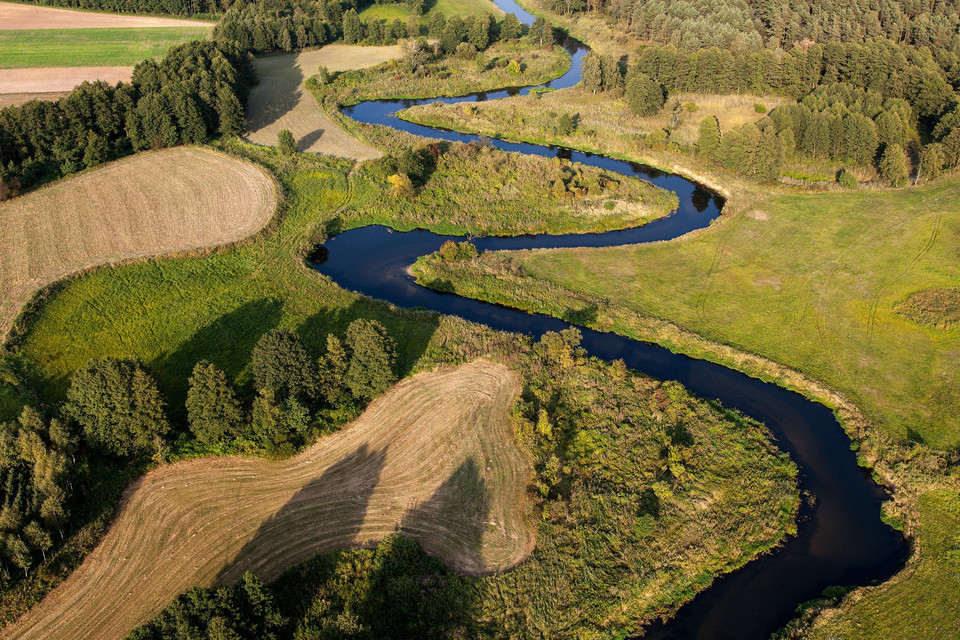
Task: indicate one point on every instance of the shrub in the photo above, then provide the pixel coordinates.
(286, 143)
(759, 108)
(847, 180)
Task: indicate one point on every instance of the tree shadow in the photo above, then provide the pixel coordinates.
(585, 317)
(226, 342)
(327, 513)
(411, 330)
(271, 100)
(452, 522)
(307, 141)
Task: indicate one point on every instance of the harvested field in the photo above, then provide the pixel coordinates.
(14, 99)
(280, 101)
(147, 205)
(14, 17)
(36, 83)
(433, 457)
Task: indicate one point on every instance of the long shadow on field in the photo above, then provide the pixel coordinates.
(226, 342)
(278, 92)
(410, 331)
(326, 514)
(307, 141)
(452, 522)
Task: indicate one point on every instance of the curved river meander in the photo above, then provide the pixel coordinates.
(840, 539)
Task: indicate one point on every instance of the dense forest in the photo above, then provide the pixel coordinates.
(196, 92)
(172, 7)
(756, 24)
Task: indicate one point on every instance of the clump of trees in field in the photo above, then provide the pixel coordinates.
(196, 92)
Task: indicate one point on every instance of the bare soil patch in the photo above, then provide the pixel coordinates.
(434, 457)
(15, 99)
(14, 17)
(281, 101)
(56, 80)
(147, 205)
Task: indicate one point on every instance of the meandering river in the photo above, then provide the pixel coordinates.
(840, 538)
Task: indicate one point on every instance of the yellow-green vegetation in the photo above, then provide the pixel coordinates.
(811, 282)
(476, 189)
(90, 47)
(920, 603)
(448, 8)
(938, 307)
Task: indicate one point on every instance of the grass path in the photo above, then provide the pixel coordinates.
(146, 205)
(434, 457)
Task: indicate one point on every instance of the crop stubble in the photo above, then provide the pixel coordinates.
(146, 205)
(202, 522)
(281, 101)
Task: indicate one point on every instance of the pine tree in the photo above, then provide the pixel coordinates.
(352, 30)
(592, 73)
(229, 113)
(894, 167)
(286, 143)
(931, 161)
(96, 151)
(708, 142)
(280, 365)
(479, 34)
(213, 410)
(372, 358)
(645, 96)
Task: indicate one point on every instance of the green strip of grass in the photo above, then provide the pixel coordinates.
(448, 8)
(90, 47)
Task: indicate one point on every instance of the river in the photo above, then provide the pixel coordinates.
(840, 538)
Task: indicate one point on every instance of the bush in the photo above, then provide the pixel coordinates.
(847, 180)
(286, 143)
(759, 108)
(566, 124)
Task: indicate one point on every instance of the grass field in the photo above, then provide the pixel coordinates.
(391, 12)
(15, 16)
(101, 47)
(150, 204)
(810, 281)
(436, 452)
(281, 101)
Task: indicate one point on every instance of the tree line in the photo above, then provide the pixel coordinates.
(757, 24)
(196, 92)
(172, 7)
(115, 412)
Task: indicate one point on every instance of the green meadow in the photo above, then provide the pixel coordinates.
(121, 47)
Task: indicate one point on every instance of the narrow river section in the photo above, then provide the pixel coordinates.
(840, 538)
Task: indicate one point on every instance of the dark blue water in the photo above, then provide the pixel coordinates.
(840, 539)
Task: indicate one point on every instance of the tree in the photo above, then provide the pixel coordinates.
(333, 370)
(409, 162)
(592, 73)
(450, 38)
(324, 76)
(213, 410)
(510, 28)
(479, 33)
(372, 357)
(402, 186)
(230, 113)
(566, 124)
(286, 143)
(352, 30)
(894, 167)
(280, 365)
(708, 142)
(931, 161)
(118, 406)
(645, 96)
(96, 152)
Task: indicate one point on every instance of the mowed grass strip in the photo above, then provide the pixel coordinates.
(447, 8)
(150, 204)
(102, 47)
(434, 457)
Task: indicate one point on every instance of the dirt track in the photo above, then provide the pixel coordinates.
(59, 80)
(280, 100)
(433, 457)
(14, 17)
(146, 205)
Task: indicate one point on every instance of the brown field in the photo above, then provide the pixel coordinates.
(59, 81)
(280, 101)
(14, 17)
(434, 457)
(14, 99)
(146, 205)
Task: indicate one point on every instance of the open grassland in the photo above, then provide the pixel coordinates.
(150, 204)
(433, 457)
(15, 17)
(281, 101)
(99, 47)
(812, 282)
(391, 12)
(921, 602)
